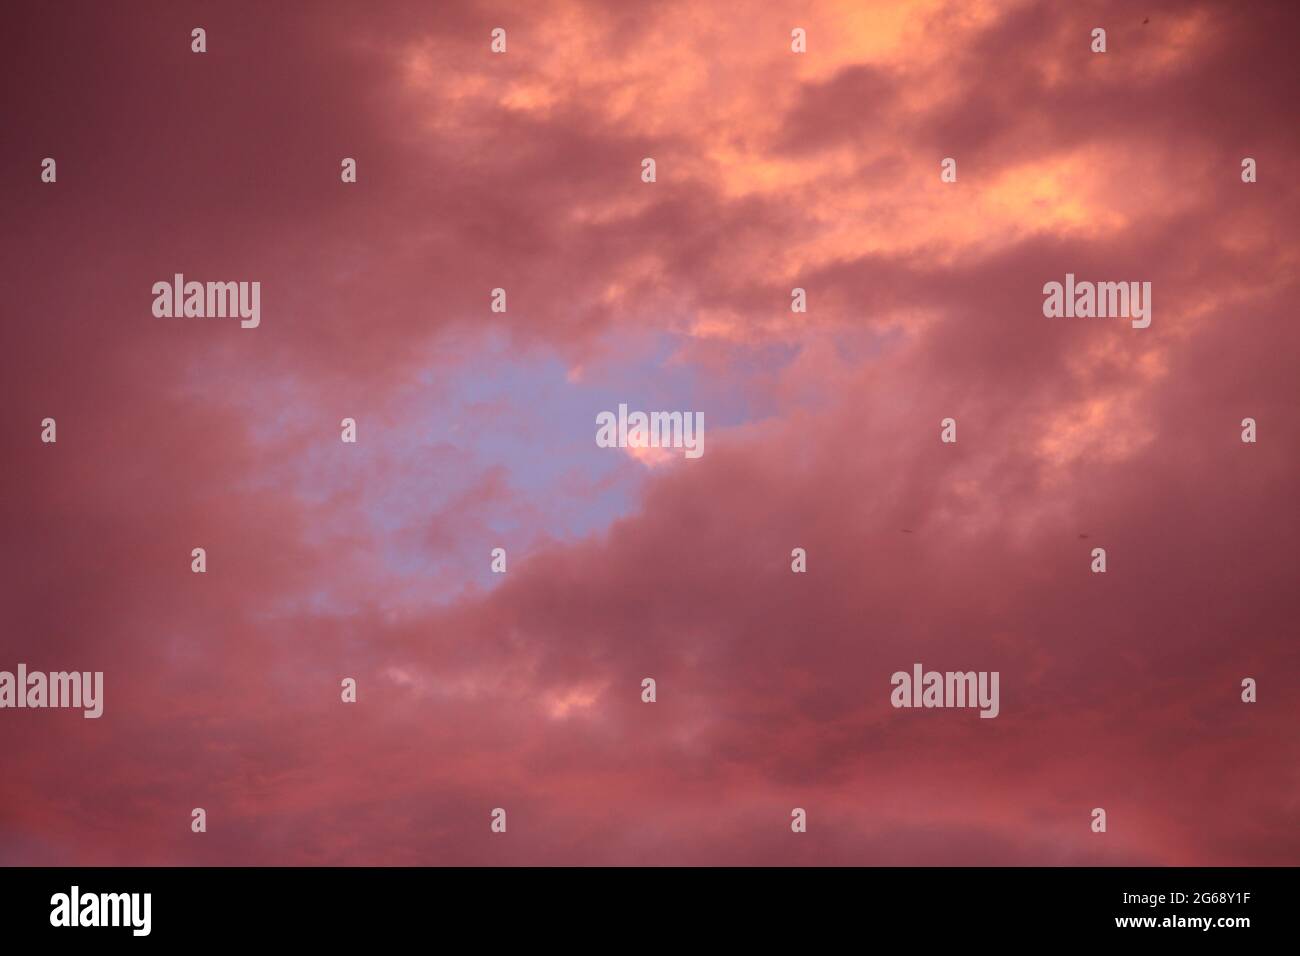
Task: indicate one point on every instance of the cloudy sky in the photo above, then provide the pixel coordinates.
(476, 430)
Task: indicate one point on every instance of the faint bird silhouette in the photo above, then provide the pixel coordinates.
(906, 530)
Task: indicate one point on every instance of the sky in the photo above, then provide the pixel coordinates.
(522, 690)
